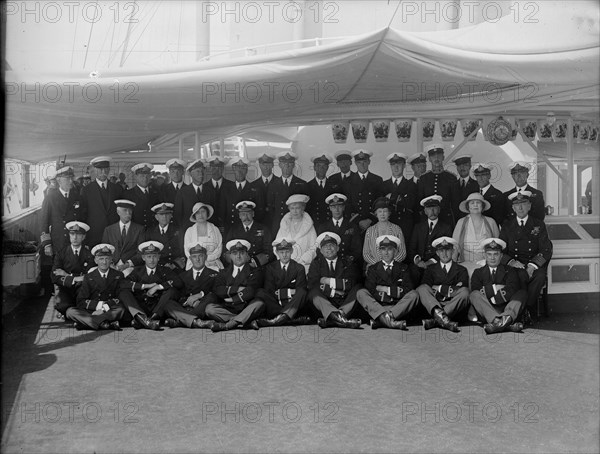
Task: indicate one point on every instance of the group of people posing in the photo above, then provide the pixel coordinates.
(224, 254)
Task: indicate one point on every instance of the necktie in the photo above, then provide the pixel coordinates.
(151, 273)
(76, 252)
(66, 195)
(493, 275)
(287, 183)
(123, 233)
(103, 275)
(430, 227)
(247, 228)
(481, 191)
(322, 185)
(388, 268)
(162, 231)
(445, 269)
(145, 191)
(266, 182)
(362, 177)
(197, 275)
(198, 192)
(239, 186)
(522, 223)
(331, 268)
(284, 269)
(337, 224)
(462, 183)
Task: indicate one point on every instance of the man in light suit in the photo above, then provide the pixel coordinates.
(333, 283)
(389, 295)
(98, 304)
(125, 236)
(236, 288)
(495, 291)
(445, 289)
(97, 201)
(284, 292)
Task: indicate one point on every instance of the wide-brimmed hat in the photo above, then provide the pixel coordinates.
(464, 205)
(197, 208)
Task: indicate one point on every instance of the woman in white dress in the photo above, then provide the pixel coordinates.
(471, 230)
(206, 234)
(383, 211)
(298, 226)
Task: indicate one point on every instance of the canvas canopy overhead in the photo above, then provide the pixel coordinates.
(507, 67)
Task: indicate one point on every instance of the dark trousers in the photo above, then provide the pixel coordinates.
(186, 315)
(452, 307)
(91, 321)
(138, 303)
(241, 313)
(490, 311)
(533, 287)
(326, 305)
(290, 307)
(400, 309)
(64, 298)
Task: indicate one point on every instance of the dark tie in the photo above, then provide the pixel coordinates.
(445, 270)
(198, 192)
(123, 233)
(266, 182)
(103, 275)
(76, 253)
(284, 269)
(493, 276)
(66, 195)
(151, 273)
(162, 231)
(396, 184)
(331, 268)
(481, 191)
(388, 268)
(104, 186)
(522, 223)
(145, 191)
(247, 228)
(430, 227)
(239, 186)
(287, 183)
(337, 224)
(462, 183)
(197, 275)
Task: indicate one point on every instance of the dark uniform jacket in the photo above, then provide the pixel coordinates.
(232, 196)
(498, 205)
(276, 279)
(205, 282)
(341, 183)
(316, 207)
(264, 215)
(95, 288)
(142, 213)
(481, 281)
(420, 242)
(184, 202)
(162, 275)
(128, 249)
(349, 232)
(526, 244)
(56, 212)
(216, 196)
(472, 186)
(277, 195)
(457, 277)
(362, 194)
(98, 209)
(538, 207)
(171, 240)
(404, 203)
(168, 193)
(260, 239)
(65, 260)
(398, 280)
(446, 185)
(347, 275)
(227, 286)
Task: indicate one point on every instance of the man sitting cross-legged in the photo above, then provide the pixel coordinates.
(389, 295)
(98, 305)
(236, 287)
(151, 286)
(333, 283)
(284, 292)
(495, 293)
(445, 288)
(196, 294)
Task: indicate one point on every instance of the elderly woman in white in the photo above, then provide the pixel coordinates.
(206, 234)
(298, 226)
(471, 230)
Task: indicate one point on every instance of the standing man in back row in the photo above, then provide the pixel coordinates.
(519, 171)
(283, 187)
(144, 195)
(363, 189)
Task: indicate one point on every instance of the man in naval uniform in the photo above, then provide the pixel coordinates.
(98, 209)
(176, 171)
(528, 248)
(466, 184)
(283, 187)
(216, 188)
(319, 188)
(440, 182)
(342, 178)
(125, 236)
(496, 198)
(363, 189)
(519, 171)
(263, 184)
(143, 195)
(496, 294)
(169, 236)
(347, 229)
(191, 194)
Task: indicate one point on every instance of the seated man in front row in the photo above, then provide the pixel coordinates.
(389, 295)
(151, 286)
(196, 294)
(71, 263)
(495, 293)
(333, 283)
(98, 305)
(236, 287)
(284, 292)
(444, 291)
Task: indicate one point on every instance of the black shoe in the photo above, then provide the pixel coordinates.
(321, 322)
(116, 326)
(104, 325)
(338, 319)
(278, 320)
(498, 325)
(515, 327)
(80, 327)
(144, 322)
(172, 323)
(429, 323)
(301, 321)
(442, 320)
(383, 321)
(253, 325)
(202, 324)
(528, 320)
(218, 326)
(155, 316)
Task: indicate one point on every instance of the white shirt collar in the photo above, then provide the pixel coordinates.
(363, 175)
(78, 250)
(446, 266)
(323, 181)
(121, 225)
(148, 270)
(198, 271)
(521, 188)
(524, 219)
(100, 183)
(237, 269)
(267, 179)
(334, 261)
(387, 264)
(492, 269)
(196, 187)
(243, 183)
(485, 188)
(397, 180)
(142, 189)
(161, 228)
(429, 221)
(177, 185)
(284, 264)
(249, 226)
(346, 175)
